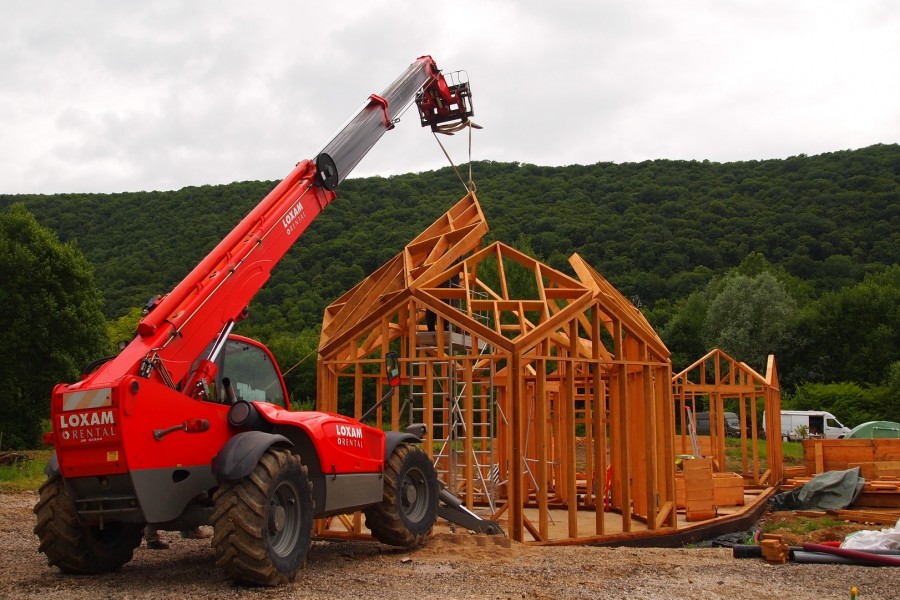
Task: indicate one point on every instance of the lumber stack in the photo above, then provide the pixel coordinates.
(874, 517)
(774, 550)
(883, 492)
(698, 489)
(790, 472)
(728, 490)
(888, 470)
(820, 456)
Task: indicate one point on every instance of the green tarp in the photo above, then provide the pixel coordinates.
(833, 490)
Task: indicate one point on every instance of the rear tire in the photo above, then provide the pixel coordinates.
(263, 522)
(406, 515)
(75, 548)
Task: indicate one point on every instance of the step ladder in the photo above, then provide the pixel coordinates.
(692, 432)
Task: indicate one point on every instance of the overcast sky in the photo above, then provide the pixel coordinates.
(111, 96)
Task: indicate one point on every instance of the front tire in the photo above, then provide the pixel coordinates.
(263, 522)
(406, 514)
(75, 548)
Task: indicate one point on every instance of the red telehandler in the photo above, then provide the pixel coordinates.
(191, 425)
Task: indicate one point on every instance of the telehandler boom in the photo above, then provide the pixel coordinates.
(191, 425)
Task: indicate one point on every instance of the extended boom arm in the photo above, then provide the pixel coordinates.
(217, 291)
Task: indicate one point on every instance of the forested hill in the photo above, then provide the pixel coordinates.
(656, 229)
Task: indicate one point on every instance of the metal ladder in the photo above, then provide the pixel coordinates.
(445, 400)
(692, 432)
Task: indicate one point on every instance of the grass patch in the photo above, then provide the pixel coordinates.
(26, 473)
(793, 453)
(734, 456)
(801, 525)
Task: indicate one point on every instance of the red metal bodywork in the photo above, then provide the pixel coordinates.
(126, 416)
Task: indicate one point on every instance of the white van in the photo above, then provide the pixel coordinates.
(818, 424)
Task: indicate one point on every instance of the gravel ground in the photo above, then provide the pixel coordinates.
(447, 567)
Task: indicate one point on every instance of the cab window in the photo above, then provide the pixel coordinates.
(252, 373)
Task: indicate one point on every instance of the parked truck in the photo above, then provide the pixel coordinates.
(800, 424)
(190, 424)
(732, 424)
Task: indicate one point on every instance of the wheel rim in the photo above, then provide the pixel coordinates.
(414, 495)
(284, 519)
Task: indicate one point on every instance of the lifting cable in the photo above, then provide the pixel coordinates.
(299, 362)
(470, 185)
(450, 130)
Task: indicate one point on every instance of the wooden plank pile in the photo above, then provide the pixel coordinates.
(774, 549)
(883, 492)
(727, 488)
(698, 489)
(820, 456)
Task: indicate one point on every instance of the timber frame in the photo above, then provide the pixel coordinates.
(716, 379)
(542, 393)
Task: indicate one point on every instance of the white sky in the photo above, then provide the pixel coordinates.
(128, 95)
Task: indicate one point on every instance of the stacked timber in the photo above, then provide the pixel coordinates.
(774, 550)
(820, 456)
(883, 492)
(878, 461)
(790, 472)
(698, 489)
(728, 490)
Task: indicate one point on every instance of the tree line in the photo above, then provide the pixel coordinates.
(797, 257)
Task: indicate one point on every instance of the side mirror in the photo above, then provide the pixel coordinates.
(392, 368)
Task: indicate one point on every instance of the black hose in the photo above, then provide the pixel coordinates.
(870, 558)
(820, 558)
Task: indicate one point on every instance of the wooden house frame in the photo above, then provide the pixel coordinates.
(712, 381)
(544, 395)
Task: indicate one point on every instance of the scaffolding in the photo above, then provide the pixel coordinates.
(456, 397)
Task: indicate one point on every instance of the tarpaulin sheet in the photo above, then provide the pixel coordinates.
(832, 490)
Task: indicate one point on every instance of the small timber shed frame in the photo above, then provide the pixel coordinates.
(719, 383)
(548, 398)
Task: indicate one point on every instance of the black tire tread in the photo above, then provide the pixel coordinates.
(240, 508)
(384, 519)
(71, 546)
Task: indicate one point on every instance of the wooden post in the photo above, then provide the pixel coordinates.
(469, 441)
(540, 423)
(624, 418)
(569, 409)
(650, 437)
(516, 499)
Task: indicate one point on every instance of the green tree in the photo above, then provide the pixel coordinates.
(749, 318)
(51, 323)
(849, 402)
(123, 329)
(891, 405)
(850, 335)
(682, 333)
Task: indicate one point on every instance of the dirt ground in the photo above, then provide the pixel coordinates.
(449, 566)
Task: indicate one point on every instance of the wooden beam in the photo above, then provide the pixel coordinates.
(516, 417)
